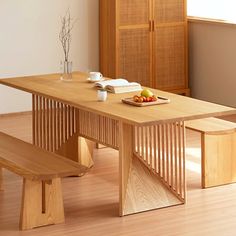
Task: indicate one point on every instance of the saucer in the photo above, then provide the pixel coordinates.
(94, 81)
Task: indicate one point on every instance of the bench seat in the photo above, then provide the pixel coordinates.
(42, 202)
(218, 150)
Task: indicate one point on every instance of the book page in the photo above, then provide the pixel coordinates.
(111, 82)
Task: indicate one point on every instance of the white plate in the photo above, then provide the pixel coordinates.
(94, 81)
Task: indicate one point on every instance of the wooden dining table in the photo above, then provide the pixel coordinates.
(68, 120)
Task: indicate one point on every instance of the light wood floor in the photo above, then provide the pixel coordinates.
(91, 202)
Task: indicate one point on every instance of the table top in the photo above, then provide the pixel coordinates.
(81, 94)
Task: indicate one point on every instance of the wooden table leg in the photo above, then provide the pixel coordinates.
(78, 149)
(141, 187)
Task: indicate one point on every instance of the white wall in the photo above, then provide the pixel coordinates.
(29, 45)
(212, 62)
(29, 42)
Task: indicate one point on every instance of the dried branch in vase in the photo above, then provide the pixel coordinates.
(65, 36)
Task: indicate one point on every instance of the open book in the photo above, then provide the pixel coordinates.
(118, 86)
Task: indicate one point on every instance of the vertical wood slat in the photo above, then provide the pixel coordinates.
(33, 118)
(43, 124)
(58, 125)
(51, 110)
(162, 149)
(62, 122)
(176, 158)
(180, 158)
(40, 122)
(151, 147)
(47, 124)
(182, 125)
(155, 148)
(146, 143)
(167, 153)
(171, 156)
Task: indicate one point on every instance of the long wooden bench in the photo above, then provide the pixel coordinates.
(218, 148)
(42, 202)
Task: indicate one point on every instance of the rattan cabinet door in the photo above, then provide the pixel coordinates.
(170, 58)
(134, 12)
(170, 44)
(167, 11)
(134, 58)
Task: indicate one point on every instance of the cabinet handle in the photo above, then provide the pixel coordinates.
(150, 25)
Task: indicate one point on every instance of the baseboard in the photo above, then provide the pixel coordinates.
(22, 113)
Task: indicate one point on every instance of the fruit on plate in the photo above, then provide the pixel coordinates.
(146, 96)
(146, 93)
(142, 99)
(136, 98)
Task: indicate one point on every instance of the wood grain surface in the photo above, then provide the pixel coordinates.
(81, 94)
(211, 126)
(32, 162)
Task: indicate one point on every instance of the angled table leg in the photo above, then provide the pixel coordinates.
(142, 188)
(78, 149)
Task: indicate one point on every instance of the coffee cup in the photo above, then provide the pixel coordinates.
(95, 76)
(102, 95)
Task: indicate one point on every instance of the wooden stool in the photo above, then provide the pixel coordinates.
(218, 148)
(42, 202)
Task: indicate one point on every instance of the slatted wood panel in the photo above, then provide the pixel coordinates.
(162, 149)
(53, 123)
(99, 128)
(134, 55)
(133, 12)
(170, 57)
(166, 11)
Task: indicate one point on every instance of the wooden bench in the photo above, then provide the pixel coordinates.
(42, 202)
(218, 148)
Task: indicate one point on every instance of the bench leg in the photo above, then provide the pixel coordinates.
(218, 159)
(1, 179)
(42, 204)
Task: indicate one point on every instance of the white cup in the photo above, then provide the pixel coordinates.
(102, 95)
(95, 76)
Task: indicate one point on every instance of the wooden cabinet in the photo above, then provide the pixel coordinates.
(145, 41)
